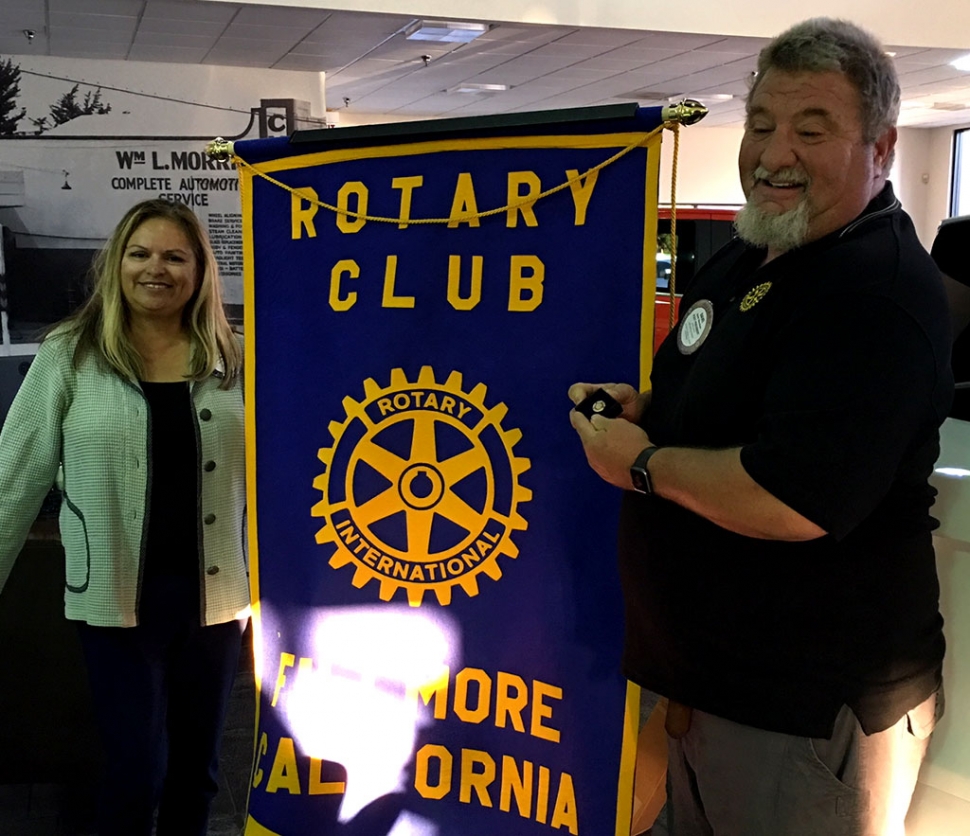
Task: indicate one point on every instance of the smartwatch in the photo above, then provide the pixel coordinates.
(639, 473)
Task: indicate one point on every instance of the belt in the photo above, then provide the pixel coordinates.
(677, 723)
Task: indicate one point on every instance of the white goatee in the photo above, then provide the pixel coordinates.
(781, 232)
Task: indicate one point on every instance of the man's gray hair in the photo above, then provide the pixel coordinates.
(824, 44)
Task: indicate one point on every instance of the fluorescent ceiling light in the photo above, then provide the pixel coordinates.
(962, 63)
(445, 31)
(472, 87)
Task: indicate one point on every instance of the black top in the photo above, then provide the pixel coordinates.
(833, 380)
(951, 249)
(173, 516)
(951, 252)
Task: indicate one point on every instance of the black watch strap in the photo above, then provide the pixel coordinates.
(639, 473)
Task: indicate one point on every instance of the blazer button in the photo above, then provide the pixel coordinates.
(205, 414)
(209, 519)
(209, 467)
(212, 570)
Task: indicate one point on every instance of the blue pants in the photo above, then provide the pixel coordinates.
(160, 693)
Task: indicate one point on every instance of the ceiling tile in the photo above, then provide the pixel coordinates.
(113, 52)
(643, 52)
(609, 64)
(159, 39)
(103, 7)
(605, 38)
(88, 37)
(17, 45)
(679, 41)
(736, 45)
(376, 27)
(173, 10)
(905, 51)
(268, 47)
(520, 70)
(22, 6)
(289, 34)
(568, 53)
(280, 16)
(105, 23)
(930, 74)
(464, 66)
(176, 28)
(580, 75)
(23, 18)
(169, 54)
(518, 33)
(400, 49)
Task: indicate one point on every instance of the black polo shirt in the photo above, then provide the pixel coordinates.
(829, 367)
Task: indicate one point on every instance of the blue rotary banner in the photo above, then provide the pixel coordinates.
(438, 618)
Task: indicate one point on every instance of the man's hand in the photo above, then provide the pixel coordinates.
(611, 445)
(634, 405)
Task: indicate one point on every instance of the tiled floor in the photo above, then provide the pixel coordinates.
(68, 809)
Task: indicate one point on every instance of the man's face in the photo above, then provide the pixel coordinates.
(805, 169)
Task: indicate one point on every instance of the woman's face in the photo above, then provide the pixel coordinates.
(159, 270)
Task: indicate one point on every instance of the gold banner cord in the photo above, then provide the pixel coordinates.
(464, 218)
(675, 127)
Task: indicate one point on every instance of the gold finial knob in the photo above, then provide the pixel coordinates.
(686, 112)
(219, 149)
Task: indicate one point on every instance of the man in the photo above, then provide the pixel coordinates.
(775, 545)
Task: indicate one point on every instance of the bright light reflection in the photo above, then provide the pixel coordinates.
(953, 472)
(962, 63)
(358, 706)
(410, 824)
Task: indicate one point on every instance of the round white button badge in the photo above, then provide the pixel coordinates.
(695, 326)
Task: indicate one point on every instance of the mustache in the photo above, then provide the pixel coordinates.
(791, 175)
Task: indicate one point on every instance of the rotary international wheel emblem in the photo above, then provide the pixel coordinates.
(421, 487)
(755, 295)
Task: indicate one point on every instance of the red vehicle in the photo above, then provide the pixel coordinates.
(700, 233)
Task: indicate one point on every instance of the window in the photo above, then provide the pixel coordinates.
(960, 182)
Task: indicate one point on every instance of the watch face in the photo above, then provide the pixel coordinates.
(641, 479)
(639, 473)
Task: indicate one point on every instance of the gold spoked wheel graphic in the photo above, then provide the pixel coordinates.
(421, 486)
(402, 511)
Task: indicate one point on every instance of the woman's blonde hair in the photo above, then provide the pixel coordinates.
(102, 322)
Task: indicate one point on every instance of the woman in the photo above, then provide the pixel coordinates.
(137, 400)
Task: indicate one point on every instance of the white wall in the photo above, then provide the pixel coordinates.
(912, 180)
(707, 166)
